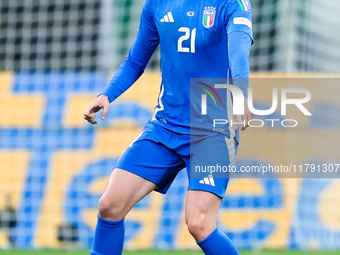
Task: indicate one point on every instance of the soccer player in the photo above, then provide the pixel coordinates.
(198, 39)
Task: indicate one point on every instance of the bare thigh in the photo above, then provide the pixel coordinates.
(123, 191)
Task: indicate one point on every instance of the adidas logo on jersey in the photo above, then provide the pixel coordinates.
(209, 180)
(168, 18)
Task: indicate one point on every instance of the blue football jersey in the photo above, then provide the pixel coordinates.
(193, 38)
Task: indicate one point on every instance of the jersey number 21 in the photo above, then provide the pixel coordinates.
(185, 37)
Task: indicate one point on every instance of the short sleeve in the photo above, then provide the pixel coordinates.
(239, 17)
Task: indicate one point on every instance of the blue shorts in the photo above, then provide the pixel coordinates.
(158, 154)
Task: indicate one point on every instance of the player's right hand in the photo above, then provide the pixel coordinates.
(101, 102)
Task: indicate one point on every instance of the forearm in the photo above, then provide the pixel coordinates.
(238, 50)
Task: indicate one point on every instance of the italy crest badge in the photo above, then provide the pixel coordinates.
(208, 17)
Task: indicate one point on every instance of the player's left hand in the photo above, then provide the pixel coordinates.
(248, 115)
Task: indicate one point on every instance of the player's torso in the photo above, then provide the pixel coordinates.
(193, 41)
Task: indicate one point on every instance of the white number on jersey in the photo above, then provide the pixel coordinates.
(185, 37)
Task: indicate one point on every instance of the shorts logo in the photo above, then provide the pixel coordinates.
(208, 16)
(209, 180)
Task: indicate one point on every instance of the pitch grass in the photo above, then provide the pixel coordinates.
(153, 252)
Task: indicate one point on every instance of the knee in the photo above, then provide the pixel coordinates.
(195, 226)
(110, 209)
(200, 226)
